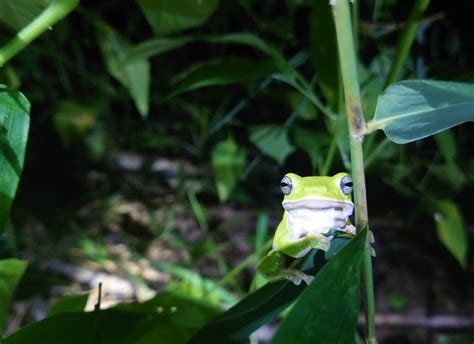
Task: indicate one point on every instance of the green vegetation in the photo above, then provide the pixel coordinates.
(137, 202)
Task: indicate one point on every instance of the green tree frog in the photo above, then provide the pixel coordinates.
(314, 209)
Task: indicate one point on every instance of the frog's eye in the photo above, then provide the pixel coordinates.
(286, 185)
(346, 185)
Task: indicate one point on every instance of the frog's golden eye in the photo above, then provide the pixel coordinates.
(286, 185)
(346, 185)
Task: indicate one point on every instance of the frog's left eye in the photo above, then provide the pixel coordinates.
(286, 185)
(346, 185)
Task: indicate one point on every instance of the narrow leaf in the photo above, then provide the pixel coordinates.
(285, 72)
(14, 125)
(256, 309)
(450, 228)
(414, 109)
(326, 311)
(11, 271)
(221, 72)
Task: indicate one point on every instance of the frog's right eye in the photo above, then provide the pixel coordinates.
(286, 185)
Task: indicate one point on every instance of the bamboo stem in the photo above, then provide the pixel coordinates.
(356, 122)
(56, 11)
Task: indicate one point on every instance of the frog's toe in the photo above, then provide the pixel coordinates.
(371, 237)
(322, 242)
(307, 279)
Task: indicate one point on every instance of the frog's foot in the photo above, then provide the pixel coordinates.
(349, 229)
(372, 252)
(296, 276)
(320, 241)
(371, 237)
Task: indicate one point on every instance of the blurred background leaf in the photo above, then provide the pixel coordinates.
(170, 16)
(11, 271)
(228, 162)
(451, 232)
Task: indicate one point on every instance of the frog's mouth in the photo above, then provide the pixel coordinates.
(318, 214)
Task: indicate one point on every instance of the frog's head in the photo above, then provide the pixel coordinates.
(311, 197)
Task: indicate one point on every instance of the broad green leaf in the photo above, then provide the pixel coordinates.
(169, 16)
(273, 141)
(18, 13)
(327, 310)
(450, 228)
(168, 318)
(14, 125)
(414, 109)
(323, 49)
(228, 162)
(134, 75)
(11, 271)
(69, 303)
(222, 72)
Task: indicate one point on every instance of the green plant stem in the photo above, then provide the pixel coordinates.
(243, 264)
(406, 40)
(56, 11)
(356, 122)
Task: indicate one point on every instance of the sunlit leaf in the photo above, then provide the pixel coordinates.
(168, 16)
(134, 75)
(14, 125)
(196, 285)
(450, 228)
(414, 109)
(326, 312)
(273, 141)
(228, 162)
(11, 271)
(18, 13)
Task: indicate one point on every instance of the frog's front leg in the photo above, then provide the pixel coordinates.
(272, 267)
(299, 247)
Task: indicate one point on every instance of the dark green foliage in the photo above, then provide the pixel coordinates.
(215, 101)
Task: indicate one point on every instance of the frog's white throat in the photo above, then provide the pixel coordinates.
(316, 215)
